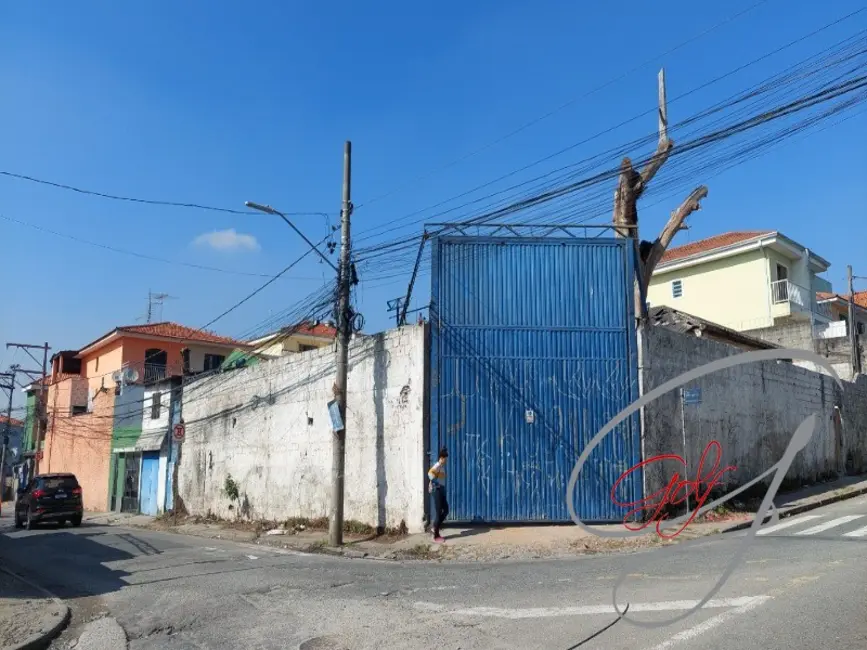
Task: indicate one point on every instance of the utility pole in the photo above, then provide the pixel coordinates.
(853, 337)
(42, 401)
(338, 441)
(8, 429)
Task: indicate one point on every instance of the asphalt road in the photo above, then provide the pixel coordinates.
(792, 591)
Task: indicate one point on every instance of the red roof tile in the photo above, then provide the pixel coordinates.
(12, 421)
(320, 329)
(305, 329)
(860, 297)
(180, 332)
(711, 243)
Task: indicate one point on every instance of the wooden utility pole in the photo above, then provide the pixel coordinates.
(853, 335)
(631, 185)
(344, 325)
(10, 376)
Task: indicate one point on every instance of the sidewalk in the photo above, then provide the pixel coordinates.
(483, 543)
(29, 616)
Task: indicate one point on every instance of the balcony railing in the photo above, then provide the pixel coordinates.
(783, 291)
(154, 373)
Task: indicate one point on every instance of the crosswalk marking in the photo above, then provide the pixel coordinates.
(861, 532)
(829, 524)
(589, 610)
(787, 524)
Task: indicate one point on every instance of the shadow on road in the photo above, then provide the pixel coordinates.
(71, 565)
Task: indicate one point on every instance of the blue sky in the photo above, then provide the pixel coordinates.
(218, 103)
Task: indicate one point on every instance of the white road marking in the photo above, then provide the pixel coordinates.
(697, 630)
(253, 557)
(787, 524)
(861, 532)
(839, 521)
(588, 610)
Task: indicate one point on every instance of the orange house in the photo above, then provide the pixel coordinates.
(96, 404)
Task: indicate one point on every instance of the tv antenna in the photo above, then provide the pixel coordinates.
(157, 300)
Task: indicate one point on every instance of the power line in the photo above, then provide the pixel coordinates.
(689, 154)
(541, 118)
(390, 226)
(145, 256)
(130, 199)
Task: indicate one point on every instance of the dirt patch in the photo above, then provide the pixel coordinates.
(302, 534)
(25, 612)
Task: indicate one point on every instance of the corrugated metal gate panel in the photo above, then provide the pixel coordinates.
(542, 327)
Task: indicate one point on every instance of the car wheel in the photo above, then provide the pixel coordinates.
(76, 521)
(30, 523)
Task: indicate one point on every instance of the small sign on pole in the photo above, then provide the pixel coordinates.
(334, 412)
(179, 431)
(692, 396)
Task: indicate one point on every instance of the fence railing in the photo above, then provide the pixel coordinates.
(833, 330)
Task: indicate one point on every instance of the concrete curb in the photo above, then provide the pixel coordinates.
(804, 507)
(42, 639)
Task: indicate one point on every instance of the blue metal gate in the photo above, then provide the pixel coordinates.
(532, 352)
(150, 474)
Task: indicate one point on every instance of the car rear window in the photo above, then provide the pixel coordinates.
(59, 483)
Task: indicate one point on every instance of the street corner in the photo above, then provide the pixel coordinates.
(30, 617)
(102, 634)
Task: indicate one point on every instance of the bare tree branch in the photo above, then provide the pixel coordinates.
(675, 221)
(663, 149)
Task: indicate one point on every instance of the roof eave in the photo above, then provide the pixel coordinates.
(715, 253)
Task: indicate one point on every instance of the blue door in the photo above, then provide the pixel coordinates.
(533, 351)
(150, 472)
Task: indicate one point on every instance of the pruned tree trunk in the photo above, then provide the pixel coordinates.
(630, 187)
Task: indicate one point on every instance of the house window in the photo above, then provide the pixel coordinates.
(96, 367)
(213, 361)
(79, 410)
(305, 348)
(782, 272)
(156, 406)
(677, 288)
(860, 328)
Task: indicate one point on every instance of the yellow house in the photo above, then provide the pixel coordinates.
(743, 280)
(307, 336)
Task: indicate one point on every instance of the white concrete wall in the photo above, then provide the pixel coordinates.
(162, 422)
(268, 427)
(751, 410)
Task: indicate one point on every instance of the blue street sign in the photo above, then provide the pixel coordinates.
(334, 412)
(692, 396)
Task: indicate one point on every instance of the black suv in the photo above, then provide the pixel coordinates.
(49, 497)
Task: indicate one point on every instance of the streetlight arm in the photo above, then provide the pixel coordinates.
(267, 209)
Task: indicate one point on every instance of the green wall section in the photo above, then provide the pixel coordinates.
(127, 421)
(116, 487)
(125, 437)
(30, 423)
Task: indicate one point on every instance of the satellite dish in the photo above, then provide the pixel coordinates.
(116, 376)
(130, 375)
